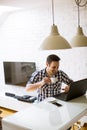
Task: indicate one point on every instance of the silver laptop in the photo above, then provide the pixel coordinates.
(77, 89)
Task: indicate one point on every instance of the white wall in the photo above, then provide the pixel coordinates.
(22, 32)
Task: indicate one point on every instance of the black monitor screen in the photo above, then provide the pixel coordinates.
(18, 73)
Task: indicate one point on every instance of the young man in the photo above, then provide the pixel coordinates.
(41, 80)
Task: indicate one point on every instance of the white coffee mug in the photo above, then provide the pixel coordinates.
(53, 80)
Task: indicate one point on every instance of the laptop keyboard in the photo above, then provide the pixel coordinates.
(61, 96)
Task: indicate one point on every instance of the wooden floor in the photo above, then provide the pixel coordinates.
(3, 113)
(79, 127)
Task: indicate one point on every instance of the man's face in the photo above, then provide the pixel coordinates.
(52, 68)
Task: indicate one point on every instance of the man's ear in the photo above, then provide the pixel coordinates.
(47, 64)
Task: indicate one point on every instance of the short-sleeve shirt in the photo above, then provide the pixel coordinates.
(49, 90)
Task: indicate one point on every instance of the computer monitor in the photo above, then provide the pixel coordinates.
(18, 73)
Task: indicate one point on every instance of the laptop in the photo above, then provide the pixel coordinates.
(77, 89)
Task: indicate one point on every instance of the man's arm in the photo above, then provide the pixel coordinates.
(34, 86)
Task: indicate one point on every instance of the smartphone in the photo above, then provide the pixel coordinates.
(57, 104)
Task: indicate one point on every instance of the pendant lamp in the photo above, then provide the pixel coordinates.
(79, 40)
(54, 41)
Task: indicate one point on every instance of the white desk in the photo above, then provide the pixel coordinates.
(10, 102)
(45, 116)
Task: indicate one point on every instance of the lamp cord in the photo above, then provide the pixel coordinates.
(78, 14)
(53, 11)
(78, 2)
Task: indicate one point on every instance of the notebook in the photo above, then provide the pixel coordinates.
(77, 89)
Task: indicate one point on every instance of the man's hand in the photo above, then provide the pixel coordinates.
(46, 80)
(66, 89)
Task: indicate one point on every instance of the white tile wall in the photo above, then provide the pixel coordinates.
(22, 32)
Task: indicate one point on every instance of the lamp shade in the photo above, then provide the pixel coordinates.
(80, 40)
(54, 41)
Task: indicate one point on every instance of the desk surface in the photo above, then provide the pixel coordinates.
(11, 103)
(46, 116)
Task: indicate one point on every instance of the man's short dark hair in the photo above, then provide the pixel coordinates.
(52, 57)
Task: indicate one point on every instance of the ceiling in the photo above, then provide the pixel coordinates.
(22, 3)
(34, 3)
